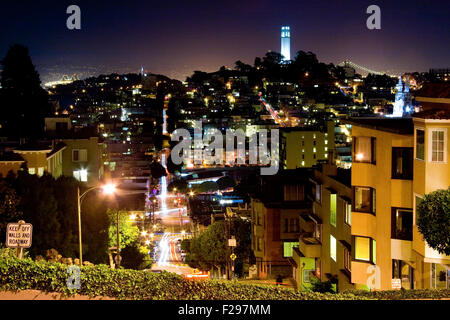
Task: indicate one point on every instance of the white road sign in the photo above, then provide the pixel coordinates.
(19, 235)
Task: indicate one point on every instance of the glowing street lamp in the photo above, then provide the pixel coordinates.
(144, 233)
(108, 189)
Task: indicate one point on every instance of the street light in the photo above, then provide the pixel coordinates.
(108, 189)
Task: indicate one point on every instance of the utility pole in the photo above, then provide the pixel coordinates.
(79, 226)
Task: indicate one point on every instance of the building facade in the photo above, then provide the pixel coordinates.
(324, 250)
(304, 148)
(395, 163)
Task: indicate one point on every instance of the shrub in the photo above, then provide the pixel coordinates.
(100, 280)
(321, 286)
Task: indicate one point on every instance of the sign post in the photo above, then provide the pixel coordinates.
(19, 236)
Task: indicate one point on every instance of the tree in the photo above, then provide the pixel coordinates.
(180, 185)
(24, 103)
(9, 206)
(172, 167)
(157, 170)
(433, 220)
(207, 186)
(208, 250)
(225, 183)
(135, 257)
(128, 232)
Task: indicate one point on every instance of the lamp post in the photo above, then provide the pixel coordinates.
(107, 189)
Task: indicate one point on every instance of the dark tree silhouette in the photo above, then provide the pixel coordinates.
(24, 103)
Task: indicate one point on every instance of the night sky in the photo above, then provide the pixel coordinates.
(176, 37)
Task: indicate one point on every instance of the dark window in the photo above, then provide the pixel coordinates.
(402, 224)
(402, 163)
(293, 193)
(294, 225)
(364, 199)
(401, 270)
(76, 155)
(420, 144)
(347, 260)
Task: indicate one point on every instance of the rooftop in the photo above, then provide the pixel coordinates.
(393, 125)
(434, 90)
(435, 114)
(10, 156)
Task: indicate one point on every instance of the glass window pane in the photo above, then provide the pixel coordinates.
(420, 144)
(333, 247)
(362, 199)
(363, 149)
(333, 200)
(374, 251)
(362, 248)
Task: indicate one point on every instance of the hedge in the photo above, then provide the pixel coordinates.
(100, 280)
(403, 294)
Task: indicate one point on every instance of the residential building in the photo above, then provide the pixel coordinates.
(40, 158)
(83, 159)
(276, 211)
(395, 163)
(431, 172)
(324, 250)
(305, 147)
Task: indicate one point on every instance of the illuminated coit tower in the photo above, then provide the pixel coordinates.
(286, 42)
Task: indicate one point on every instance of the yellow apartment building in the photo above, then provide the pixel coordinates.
(324, 250)
(395, 162)
(305, 147)
(431, 172)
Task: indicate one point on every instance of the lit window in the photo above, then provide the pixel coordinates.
(364, 199)
(438, 145)
(333, 247)
(40, 171)
(333, 200)
(365, 249)
(288, 248)
(81, 175)
(364, 149)
(32, 170)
